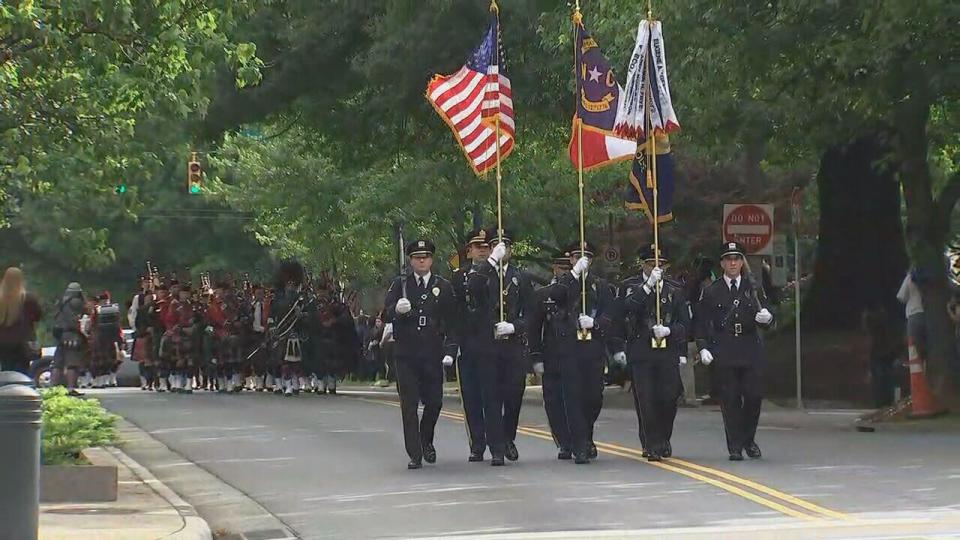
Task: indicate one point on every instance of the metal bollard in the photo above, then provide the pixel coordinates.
(19, 457)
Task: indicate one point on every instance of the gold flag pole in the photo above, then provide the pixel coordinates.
(652, 175)
(496, 10)
(582, 334)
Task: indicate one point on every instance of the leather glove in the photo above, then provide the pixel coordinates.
(655, 276)
(581, 267)
(448, 360)
(705, 357)
(538, 368)
(504, 328)
(683, 360)
(620, 358)
(585, 322)
(763, 316)
(403, 306)
(660, 331)
(499, 251)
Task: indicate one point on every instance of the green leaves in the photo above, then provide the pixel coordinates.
(71, 425)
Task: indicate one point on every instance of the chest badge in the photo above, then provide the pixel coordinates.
(436, 291)
(515, 280)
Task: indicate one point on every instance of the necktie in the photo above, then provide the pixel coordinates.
(733, 287)
(419, 282)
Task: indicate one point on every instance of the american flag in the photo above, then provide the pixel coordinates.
(470, 100)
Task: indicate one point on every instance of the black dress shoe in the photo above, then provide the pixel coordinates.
(75, 393)
(667, 450)
(496, 461)
(592, 452)
(511, 452)
(581, 458)
(333, 391)
(564, 454)
(475, 457)
(654, 456)
(753, 451)
(429, 453)
(414, 464)
(736, 456)
(645, 453)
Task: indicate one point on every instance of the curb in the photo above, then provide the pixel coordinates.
(194, 526)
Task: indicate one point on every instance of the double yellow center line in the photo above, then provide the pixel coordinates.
(742, 487)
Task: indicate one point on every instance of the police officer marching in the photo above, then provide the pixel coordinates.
(421, 306)
(503, 293)
(656, 344)
(470, 320)
(730, 314)
(572, 325)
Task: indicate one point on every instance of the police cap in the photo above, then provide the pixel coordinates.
(420, 247)
(495, 237)
(588, 250)
(732, 248)
(476, 237)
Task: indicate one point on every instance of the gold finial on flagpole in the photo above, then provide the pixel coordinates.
(494, 7)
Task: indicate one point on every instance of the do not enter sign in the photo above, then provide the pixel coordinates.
(751, 225)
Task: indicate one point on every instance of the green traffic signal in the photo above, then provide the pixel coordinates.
(194, 189)
(120, 189)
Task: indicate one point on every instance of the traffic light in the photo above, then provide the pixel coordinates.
(194, 175)
(120, 188)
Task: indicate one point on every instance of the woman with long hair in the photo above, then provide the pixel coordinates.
(19, 313)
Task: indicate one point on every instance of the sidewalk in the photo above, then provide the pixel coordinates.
(144, 509)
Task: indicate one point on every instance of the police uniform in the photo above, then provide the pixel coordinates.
(654, 363)
(503, 367)
(554, 324)
(729, 331)
(470, 320)
(423, 335)
(543, 351)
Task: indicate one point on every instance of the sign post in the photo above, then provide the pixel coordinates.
(795, 200)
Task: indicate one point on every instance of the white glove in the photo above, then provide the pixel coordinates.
(585, 322)
(403, 306)
(581, 267)
(538, 368)
(499, 251)
(620, 358)
(504, 329)
(660, 331)
(683, 360)
(655, 276)
(448, 360)
(763, 316)
(705, 357)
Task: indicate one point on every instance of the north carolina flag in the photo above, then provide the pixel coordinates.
(599, 97)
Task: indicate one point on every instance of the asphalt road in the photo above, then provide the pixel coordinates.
(334, 467)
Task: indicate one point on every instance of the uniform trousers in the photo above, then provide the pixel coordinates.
(741, 393)
(471, 392)
(419, 380)
(553, 400)
(502, 374)
(581, 384)
(656, 388)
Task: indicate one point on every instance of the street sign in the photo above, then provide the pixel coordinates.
(778, 268)
(751, 225)
(611, 255)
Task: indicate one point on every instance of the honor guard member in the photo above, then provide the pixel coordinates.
(579, 334)
(544, 357)
(654, 350)
(471, 320)
(503, 368)
(730, 314)
(421, 305)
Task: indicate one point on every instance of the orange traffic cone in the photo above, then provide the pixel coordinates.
(924, 405)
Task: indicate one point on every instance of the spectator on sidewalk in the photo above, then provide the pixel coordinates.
(909, 296)
(19, 313)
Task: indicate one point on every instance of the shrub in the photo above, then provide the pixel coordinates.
(71, 425)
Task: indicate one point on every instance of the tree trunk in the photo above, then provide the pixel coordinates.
(927, 229)
(860, 253)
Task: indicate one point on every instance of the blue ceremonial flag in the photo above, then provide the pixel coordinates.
(639, 193)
